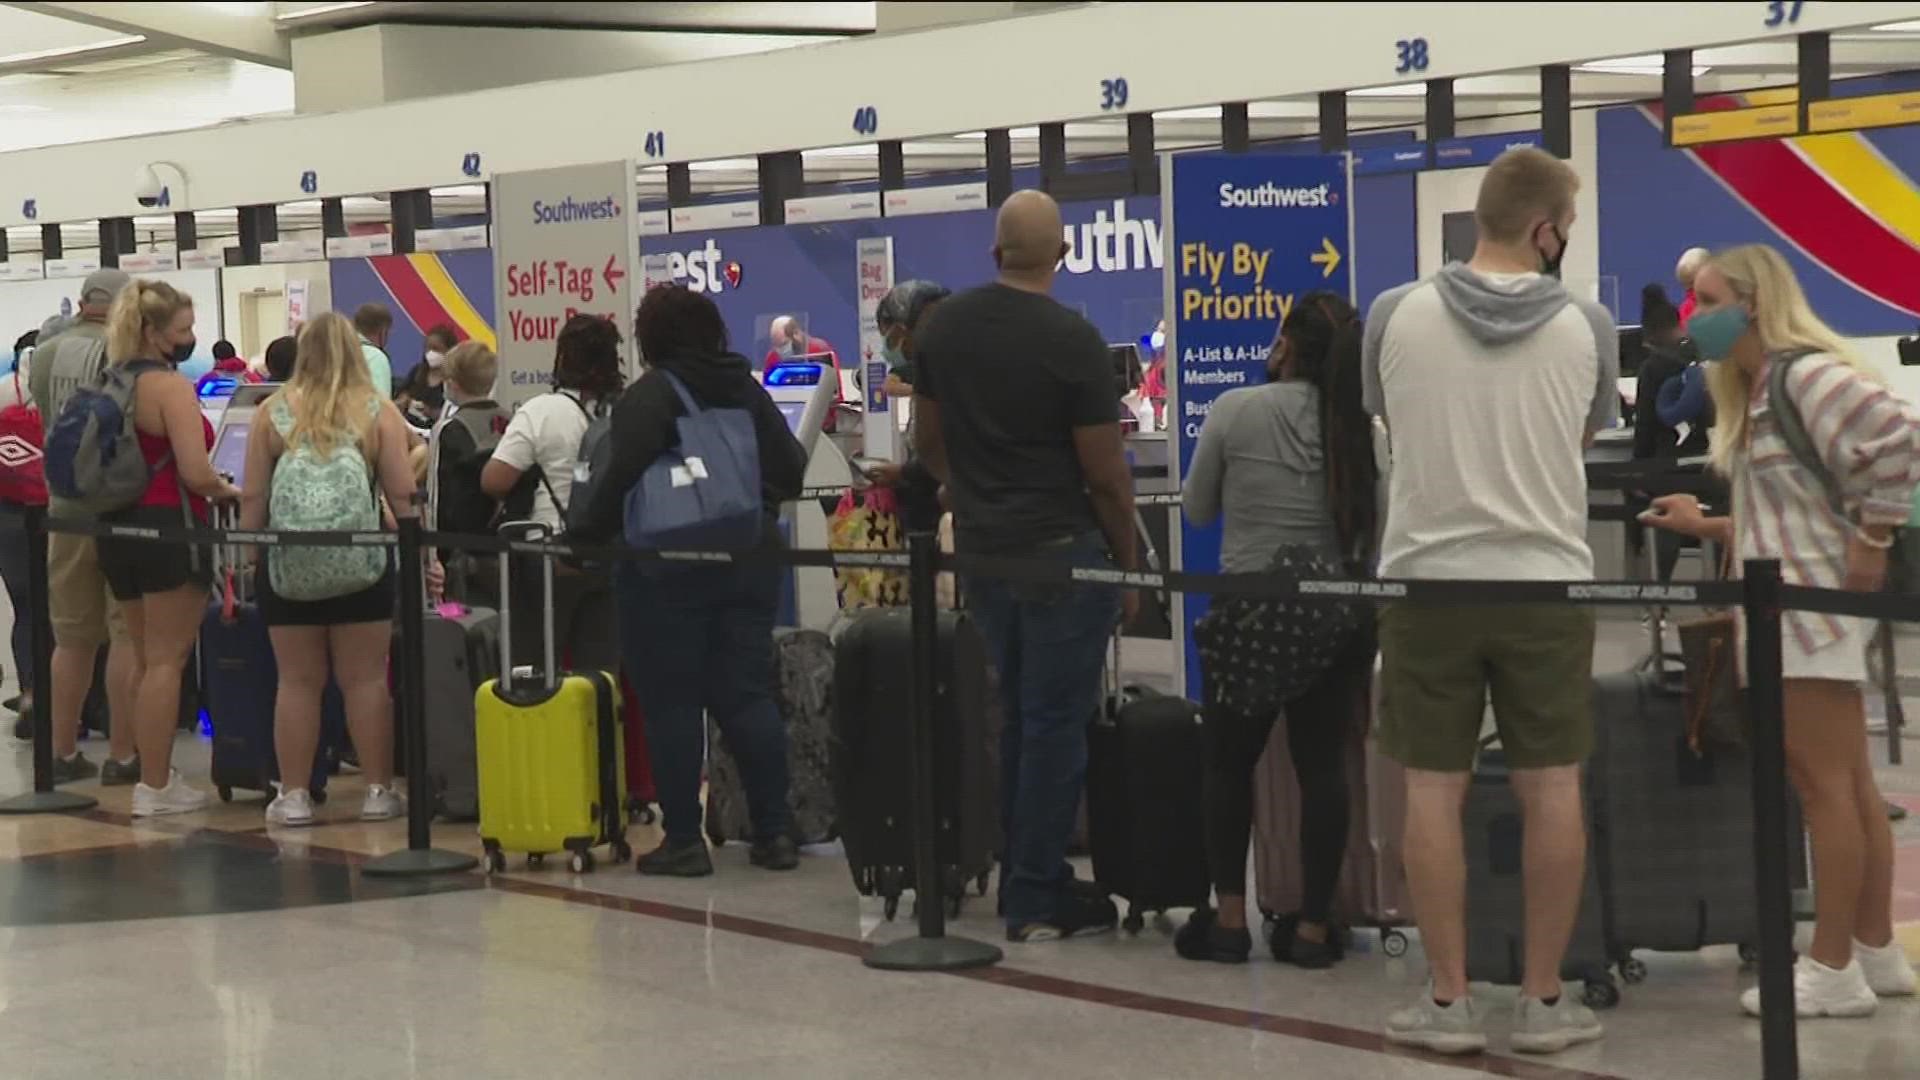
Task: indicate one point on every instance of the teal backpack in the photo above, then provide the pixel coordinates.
(322, 493)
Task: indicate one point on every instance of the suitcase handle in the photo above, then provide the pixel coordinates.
(536, 531)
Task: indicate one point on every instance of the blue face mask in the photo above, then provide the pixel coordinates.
(893, 356)
(1714, 332)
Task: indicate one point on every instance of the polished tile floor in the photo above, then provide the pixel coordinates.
(206, 948)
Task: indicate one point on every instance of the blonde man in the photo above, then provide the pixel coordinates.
(1491, 379)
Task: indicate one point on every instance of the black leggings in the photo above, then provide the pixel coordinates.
(1320, 724)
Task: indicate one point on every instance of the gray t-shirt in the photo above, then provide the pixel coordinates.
(1260, 465)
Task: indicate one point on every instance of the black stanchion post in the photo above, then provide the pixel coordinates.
(932, 949)
(1780, 1052)
(420, 857)
(43, 799)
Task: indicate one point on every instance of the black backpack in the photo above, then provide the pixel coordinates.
(467, 442)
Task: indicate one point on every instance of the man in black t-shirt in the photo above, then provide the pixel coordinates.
(1015, 411)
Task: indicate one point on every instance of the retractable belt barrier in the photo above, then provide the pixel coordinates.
(1761, 595)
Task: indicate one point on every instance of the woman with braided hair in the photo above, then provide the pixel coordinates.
(1290, 468)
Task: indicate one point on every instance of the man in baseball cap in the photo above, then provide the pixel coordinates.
(84, 615)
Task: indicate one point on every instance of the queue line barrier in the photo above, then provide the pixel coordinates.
(1760, 593)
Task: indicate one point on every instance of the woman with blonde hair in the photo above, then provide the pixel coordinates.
(330, 447)
(1829, 522)
(161, 588)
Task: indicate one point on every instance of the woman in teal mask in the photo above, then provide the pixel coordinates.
(1826, 508)
(899, 313)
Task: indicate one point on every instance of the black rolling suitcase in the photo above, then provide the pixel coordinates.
(1144, 819)
(1673, 826)
(873, 774)
(1496, 904)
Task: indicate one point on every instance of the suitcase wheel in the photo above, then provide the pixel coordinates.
(1134, 922)
(536, 860)
(1749, 953)
(1633, 972)
(622, 851)
(1601, 994)
(980, 883)
(581, 862)
(1394, 944)
(892, 905)
(226, 793)
(496, 861)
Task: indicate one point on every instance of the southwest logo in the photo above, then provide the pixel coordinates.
(732, 272)
(1271, 196)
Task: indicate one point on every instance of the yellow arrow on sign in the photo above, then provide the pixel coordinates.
(1327, 258)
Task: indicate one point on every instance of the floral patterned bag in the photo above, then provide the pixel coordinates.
(1257, 653)
(868, 521)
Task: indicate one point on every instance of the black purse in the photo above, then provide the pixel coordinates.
(1258, 653)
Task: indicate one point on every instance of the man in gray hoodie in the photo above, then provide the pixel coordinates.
(1491, 379)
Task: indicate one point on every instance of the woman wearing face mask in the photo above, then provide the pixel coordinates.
(900, 311)
(424, 397)
(1752, 315)
(1291, 467)
(161, 588)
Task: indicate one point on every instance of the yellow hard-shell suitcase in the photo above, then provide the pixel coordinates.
(550, 752)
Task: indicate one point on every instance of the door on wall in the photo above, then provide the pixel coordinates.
(1458, 235)
(263, 318)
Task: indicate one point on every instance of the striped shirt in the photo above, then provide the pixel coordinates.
(1867, 438)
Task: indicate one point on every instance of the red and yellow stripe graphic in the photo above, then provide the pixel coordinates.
(422, 289)
(1834, 197)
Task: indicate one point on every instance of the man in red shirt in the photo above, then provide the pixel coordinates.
(792, 342)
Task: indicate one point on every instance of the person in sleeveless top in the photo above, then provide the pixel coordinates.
(330, 404)
(161, 588)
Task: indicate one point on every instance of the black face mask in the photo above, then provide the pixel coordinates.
(1550, 264)
(181, 353)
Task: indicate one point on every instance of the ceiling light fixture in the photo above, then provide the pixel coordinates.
(322, 9)
(1649, 64)
(72, 50)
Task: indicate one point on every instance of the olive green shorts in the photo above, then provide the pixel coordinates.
(1439, 666)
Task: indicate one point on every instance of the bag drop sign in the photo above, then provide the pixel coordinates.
(563, 240)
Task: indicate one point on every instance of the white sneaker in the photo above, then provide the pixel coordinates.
(382, 804)
(1455, 1029)
(1886, 969)
(1539, 1028)
(176, 798)
(1819, 990)
(291, 808)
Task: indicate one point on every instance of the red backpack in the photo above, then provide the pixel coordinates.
(23, 477)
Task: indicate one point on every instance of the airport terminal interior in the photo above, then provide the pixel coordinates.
(468, 184)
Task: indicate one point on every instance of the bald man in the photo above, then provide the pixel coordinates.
(1015, 411)
(1691, 260)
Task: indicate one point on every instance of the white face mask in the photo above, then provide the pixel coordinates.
(435, 358)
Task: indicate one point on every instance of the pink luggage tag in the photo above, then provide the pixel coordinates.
(450, 609)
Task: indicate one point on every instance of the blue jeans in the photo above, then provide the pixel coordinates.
(698, 640)
(14, 571)
(1049, 643)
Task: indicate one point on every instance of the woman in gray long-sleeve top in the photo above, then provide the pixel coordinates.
(1290, 467)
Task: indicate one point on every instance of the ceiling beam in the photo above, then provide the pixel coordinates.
(242, 32)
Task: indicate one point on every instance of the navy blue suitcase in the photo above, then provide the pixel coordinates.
(239, 679)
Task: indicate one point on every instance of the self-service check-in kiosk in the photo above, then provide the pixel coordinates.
(233, 425)
(804, 390)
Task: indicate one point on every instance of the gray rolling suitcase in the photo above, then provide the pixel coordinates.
(1674, 827)
(803, 688)
(1496, 906)
(462, 648)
